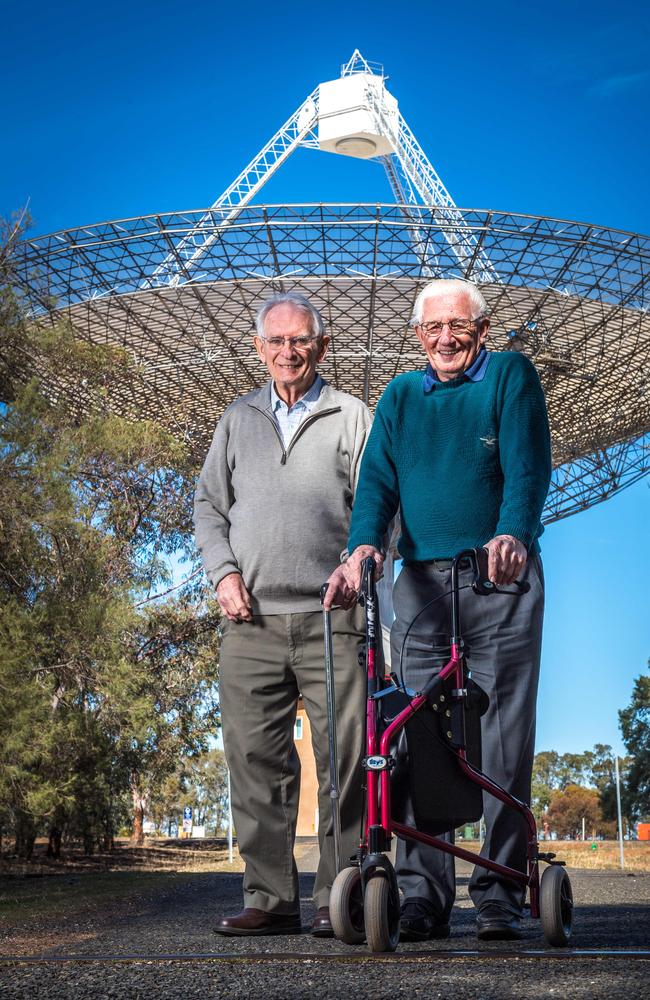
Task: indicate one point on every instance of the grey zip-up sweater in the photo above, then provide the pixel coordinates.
(278, 516)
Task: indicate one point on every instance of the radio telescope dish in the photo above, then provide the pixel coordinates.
(178, 292)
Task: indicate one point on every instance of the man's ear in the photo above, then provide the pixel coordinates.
(485, 329)
(322, 348)
(259, 347)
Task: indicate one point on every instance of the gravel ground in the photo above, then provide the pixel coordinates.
(176, 917)
(456, 978)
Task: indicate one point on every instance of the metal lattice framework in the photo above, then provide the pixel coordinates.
(573, 297)
(412, 178)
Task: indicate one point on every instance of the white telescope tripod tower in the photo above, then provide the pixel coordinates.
(354, 115)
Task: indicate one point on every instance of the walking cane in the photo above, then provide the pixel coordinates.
(331, 732)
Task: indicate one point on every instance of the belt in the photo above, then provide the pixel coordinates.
(441, 564)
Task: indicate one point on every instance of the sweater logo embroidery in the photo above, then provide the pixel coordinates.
(488, 442)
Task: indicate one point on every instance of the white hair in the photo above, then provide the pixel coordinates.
(298, 302)
(442, 286)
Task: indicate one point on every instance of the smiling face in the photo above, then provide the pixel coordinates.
(450, 353)
(292, 367)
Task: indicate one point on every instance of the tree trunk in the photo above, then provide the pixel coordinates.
(108, 837)
(54, 842)
(139, 804)
(107, 840)
(25, 836)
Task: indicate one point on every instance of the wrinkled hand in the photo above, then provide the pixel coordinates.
(343, 584)
(234, 599)
(506, 559)
(340, 592)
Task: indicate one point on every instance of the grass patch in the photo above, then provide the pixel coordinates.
(25, 899)
(580, 854)
(606, 855)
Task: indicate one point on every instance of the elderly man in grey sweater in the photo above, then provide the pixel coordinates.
(272, 512)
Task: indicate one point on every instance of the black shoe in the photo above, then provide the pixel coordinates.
(418, 922)
(494, 923)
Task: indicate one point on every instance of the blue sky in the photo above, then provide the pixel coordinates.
(115, 110)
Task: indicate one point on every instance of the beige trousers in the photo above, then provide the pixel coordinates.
(264, 665)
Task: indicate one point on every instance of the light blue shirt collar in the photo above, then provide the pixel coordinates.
(288, 419)
(475, 372)
(308, 400)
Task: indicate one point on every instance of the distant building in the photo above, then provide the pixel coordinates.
(308, 810)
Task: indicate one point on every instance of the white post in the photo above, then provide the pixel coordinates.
(229, 821)
(583, 828)
(618, 808)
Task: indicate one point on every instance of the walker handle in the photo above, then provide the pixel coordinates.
(367, 583)
(323, 591)
(482, 583)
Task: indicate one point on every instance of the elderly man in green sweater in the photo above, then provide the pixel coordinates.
(272, 512)
(463, 451)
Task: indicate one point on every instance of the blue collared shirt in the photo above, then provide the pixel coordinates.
(475, 372)
(288, 418)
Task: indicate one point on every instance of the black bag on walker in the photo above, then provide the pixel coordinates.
(428, 788)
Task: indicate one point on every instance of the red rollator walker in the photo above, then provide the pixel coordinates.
(428, 741)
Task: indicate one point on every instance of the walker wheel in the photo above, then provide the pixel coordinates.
(381, 914)
(346, 907)
(556, 906)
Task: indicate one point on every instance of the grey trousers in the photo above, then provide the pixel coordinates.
(503, 645)
(264, 665)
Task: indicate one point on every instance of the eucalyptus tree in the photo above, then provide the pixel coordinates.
(102, 689)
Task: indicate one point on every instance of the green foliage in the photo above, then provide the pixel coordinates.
(201, 782)
(553, 772)
(544, 780)
(207, 781)
(593, 769)
(570, 806)
(635, 728)
(101, 692)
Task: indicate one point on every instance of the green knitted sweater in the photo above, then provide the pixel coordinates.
(463, 462)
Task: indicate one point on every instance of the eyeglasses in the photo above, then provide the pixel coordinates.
(294, 342)
(455, 326)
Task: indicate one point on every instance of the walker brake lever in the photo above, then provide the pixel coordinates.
(367, 582)
(481, 584)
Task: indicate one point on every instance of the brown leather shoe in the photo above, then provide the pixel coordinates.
(251, 922)
(321, 925)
